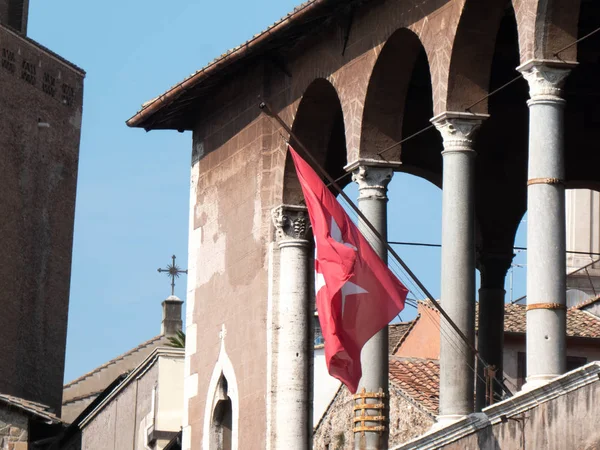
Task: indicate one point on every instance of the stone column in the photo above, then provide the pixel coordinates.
(372, 201)
(546, 264)
(490, 332)
(457, 361)
(293, 402)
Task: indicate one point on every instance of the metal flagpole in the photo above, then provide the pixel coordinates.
(265, 107)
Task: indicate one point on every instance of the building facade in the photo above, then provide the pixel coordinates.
(41, 98)
(492, 100)
(141, 410)
(78, 394)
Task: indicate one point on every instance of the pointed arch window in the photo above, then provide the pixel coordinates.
(222, 418)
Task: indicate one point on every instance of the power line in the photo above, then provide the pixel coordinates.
(423, 244)
(377, 234)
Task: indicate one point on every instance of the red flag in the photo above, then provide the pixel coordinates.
(357, 294)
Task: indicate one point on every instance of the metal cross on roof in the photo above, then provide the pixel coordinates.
(173, 271)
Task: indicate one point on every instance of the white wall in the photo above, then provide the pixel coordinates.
(325, 386)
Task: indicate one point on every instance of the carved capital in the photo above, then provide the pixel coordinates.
(291, 222)
(546, 79)
(372, 181)
(458, 130)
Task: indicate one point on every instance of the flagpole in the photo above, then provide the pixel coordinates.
(332, 182)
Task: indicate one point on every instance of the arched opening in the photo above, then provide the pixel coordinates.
(222, 418)
(221, 409)
(556, 28)
(319, 126)
(502, 148)
(398, 104)
(472, 54)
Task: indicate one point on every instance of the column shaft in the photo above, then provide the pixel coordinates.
(293, 402)
(372, 201)
(490, 343)
(546, 261)
(457, 361)
(493, 267)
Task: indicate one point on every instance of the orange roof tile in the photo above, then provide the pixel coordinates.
(579, 323)
(418, 378)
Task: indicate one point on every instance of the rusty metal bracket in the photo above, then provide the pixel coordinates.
(362, 407)
(545, 306)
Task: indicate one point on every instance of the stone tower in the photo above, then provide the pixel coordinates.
(13, 13)
(40, 119)
(583, 235)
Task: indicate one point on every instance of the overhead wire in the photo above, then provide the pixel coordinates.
(333, 182)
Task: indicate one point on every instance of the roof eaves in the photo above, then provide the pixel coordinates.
(113, 361)
(151, 107)
(50, 53)
(138, 372)
(31, 408)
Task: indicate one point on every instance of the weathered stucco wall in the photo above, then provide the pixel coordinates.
(335, 430)
(41, 104)
(228, 255)
(123, 422)
(567, 422)
(79, 393)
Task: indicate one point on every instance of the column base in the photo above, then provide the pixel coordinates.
(444, 421)
(536, 381)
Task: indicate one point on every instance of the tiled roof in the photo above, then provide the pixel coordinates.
(579, 323)
(588, 302)
(154, 340)
(32, 408)
(281, 31)
(419, 379)
(396, 332)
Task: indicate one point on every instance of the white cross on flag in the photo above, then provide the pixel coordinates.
(357, 294)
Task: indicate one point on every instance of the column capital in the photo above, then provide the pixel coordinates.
(458, 129)
(291, 223)
(546, 78)
(372, 181)
(493, 268)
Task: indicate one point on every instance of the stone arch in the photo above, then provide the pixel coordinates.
(386, 94)
(556, 27)
(399, 103)
(501, 165)
(319, 126)
(472, 54)
(222, 406)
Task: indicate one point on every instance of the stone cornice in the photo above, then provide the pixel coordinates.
(500, 412)
(371, 162)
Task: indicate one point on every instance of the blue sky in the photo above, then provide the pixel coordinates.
(133, 187)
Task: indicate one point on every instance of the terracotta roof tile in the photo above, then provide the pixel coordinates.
(396, 332)
(579, 323)
(30, 407)
(154, 340)
(417, 378)
(588, 302)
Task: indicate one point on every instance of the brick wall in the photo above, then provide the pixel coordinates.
(41, 107)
